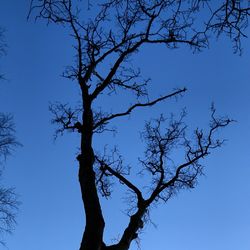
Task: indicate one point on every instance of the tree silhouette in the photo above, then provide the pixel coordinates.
(111, 37)
(8, 198)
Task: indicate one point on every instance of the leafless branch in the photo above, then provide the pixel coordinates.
(65, 117)
(8, 140)
(231, 18)
(167, 180)
(105, 120)
(8, 199)
(118, 172)
(8, 208)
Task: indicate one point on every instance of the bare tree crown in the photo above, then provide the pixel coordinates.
(105, 43)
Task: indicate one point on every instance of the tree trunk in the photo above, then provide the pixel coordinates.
(93, 233)
(130, 233)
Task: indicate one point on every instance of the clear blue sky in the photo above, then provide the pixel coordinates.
(214, 216)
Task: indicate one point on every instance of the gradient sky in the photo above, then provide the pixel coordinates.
(213, 216)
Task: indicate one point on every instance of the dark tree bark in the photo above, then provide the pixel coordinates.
(93, 233)
(113, 36)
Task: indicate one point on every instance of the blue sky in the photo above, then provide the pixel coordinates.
(215, 215)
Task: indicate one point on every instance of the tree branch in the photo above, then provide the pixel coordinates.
(204, 144)
(121, 178)
(137, 105)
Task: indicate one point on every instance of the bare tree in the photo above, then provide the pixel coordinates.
(104, 46)
(8, 198)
